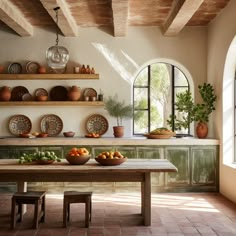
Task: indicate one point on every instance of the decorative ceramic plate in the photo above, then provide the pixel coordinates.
(14, 68)
(90, 92)
(58, 93)
(51, 124)
(20, 124)
(18, 92)
(41, 92)
(97, 124)
(32, 67)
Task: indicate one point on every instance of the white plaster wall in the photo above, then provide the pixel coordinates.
(221, 69)
(116, 59)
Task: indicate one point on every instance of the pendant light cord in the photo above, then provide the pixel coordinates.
(57, 33)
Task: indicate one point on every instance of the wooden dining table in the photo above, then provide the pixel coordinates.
(133, 170)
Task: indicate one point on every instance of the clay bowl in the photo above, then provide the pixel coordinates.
(42, 98)
(24, 135)
(42, 135)
(44, 162)
(77, 160)
(110, 162)
(69, 134)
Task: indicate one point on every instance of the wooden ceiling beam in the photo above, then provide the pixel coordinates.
(182, 11)
(14, 19)
(66, 22)
(120, 17)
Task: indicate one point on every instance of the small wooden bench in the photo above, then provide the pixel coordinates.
(77, 197)
(34, 197)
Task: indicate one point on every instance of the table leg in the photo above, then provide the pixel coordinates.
(142, 199)
(22, 187)
(146, 199)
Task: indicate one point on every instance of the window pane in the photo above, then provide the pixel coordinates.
(180, 79)
(160, 96)
(141, 98)
(140, 122)
(142, 79)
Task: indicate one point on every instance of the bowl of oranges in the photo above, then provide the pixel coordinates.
(78, 156)
(110, 158)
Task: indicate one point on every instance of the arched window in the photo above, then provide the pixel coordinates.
(154, 93)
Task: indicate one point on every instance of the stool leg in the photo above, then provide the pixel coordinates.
(20, 212)
(43, 209)
(68, 210)
(36, 214)
(90, 203)
(64, 213)
(87, 211)
(13, 213)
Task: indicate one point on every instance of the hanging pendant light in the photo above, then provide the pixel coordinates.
(57, 56)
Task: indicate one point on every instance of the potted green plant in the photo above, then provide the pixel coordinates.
(120, 111)
(191, 112)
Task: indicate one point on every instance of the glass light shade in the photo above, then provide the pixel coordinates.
(57, 57)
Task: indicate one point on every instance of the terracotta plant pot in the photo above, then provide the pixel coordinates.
(202, 130)
(74, 93)
(118, 131)
(5, 94)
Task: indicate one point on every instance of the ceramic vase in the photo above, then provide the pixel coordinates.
(5, 94)
(202, 130)
(74, 93)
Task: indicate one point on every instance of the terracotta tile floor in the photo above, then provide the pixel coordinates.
(189, 214)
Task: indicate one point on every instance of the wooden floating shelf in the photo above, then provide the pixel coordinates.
(48, 76)
(52, 103)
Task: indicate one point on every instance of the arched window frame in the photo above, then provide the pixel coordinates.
(189, 80)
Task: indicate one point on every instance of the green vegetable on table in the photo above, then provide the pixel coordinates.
(39, 156)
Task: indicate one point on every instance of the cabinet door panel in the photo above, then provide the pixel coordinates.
(204, 166)
(180, 158)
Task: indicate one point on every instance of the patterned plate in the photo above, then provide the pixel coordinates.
(51, 124)
(14, 68)
(32, 67)
(97, 124)
(18, 92)
(20, 124)
(41, 92)
(90, 92)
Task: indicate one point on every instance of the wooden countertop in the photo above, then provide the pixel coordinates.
(137, 141)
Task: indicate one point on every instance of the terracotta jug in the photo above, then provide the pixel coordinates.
(74, 93)
(202, 130)
(5, 94)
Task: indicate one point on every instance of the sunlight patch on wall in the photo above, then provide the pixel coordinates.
(116, 63)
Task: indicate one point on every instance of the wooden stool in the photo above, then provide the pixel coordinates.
(35, 198)
(77, 197)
